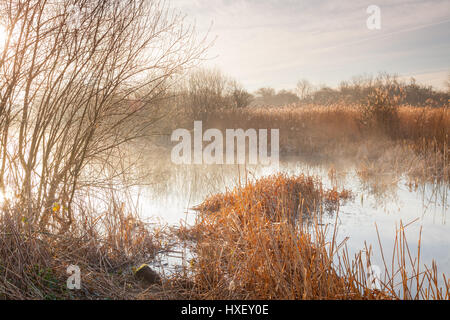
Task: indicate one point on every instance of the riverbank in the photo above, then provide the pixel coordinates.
(262, 240)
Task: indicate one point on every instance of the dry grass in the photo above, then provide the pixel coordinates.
(248, 248)
(252, 242)
(33, 264)
(310, 128)
(338, 133)
(277, 196)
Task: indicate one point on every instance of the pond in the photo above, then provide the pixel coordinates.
(381, 202)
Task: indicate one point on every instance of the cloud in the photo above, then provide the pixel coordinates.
(262, 42)
(432, 78)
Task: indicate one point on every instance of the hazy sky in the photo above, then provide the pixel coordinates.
(277, 42)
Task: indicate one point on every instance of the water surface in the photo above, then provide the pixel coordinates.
(383, 201)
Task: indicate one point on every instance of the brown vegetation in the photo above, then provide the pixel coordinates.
(247, 248)
(74, 99)
(33, 263)
(79, 80)
(419, 136)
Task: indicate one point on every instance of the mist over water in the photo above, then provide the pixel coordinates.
(383, 201)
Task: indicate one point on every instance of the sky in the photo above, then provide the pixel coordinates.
(275, 43)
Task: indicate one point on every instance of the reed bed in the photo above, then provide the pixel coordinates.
(300, 197)
(341, 133)
(263, 240)
(105, 246)
(247, 247)
(313, 125)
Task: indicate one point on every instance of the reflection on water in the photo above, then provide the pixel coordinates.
(380, 200)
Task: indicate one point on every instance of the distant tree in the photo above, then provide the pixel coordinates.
(286, 97)
(268, 96)
(304, 89)
(325, 95)
(241, 97)
(208, 90)
(359, 88)
(265, 92)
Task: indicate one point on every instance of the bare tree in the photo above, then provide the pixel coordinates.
(72, 75)
(265, 93)
(304, 89)
(241, 97)
(268, 96)
(209, 90)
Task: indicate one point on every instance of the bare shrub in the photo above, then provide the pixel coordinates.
(382, 105)
(79, 81)
(208, 91)
(73, 93)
